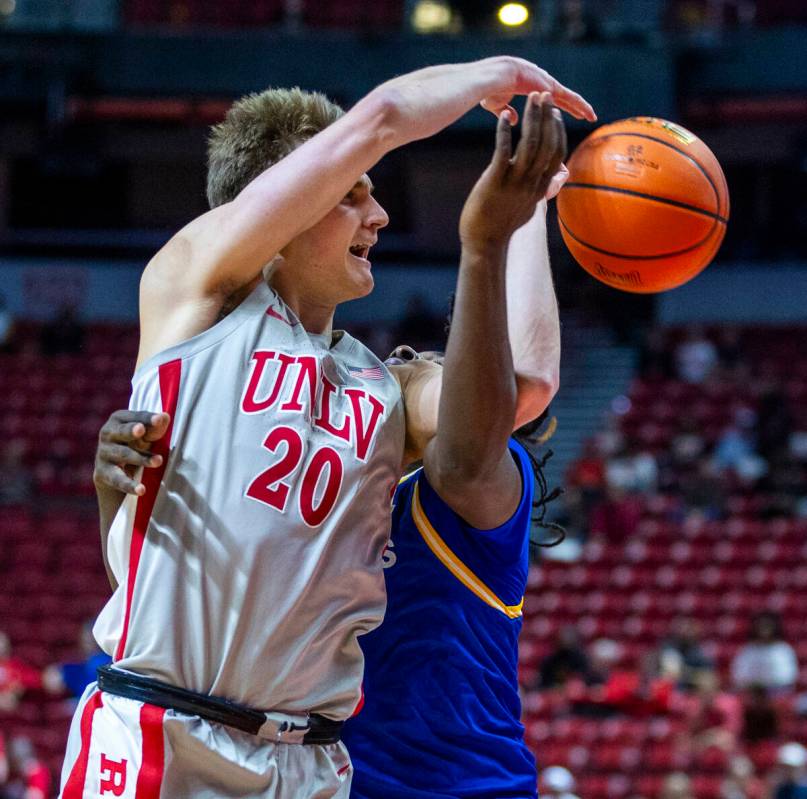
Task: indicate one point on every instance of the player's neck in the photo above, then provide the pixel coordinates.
(315, 316)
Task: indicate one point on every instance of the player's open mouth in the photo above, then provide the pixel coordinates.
(360, 251)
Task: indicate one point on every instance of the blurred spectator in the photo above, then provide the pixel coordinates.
(789, 781)
(774, 423)
(695, 356)
(73, 678)
(556, 782)
(736, 447)
(760, 719)
(16, 676)
(567, 660)
(576, 22)
(676, 786)
(683, 644)
(741, 782)
(687, 444)
(7, 328)
(715, 716)
(64, 334)
(617, 517)
(703, 492)
(655, 358)
(16, 483)
(632, 470)
(28, 777)
(767, 659)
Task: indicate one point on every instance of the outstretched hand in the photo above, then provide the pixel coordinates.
(123, 446)
(505, 196)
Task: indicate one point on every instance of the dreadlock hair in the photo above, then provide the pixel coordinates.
(530, 437)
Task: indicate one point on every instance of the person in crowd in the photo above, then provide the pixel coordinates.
(556, 782)
(16, 482)
(789, 780)
(576, 22)
(715, 716)
(28, 776)
(695, 357)
(684, 645)
(16, 676)
(677, 785)
(655, 358)
(617, 517)
(632, 469)
(567, 660)
(760, 717)
(741, 781)
(73, 678)
(767, 659)
(64, 334)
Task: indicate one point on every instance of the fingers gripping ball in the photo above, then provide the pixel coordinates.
(646, 205)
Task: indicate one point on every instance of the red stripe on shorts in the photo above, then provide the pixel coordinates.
(74, 787)
(170, 374)
(150, 776)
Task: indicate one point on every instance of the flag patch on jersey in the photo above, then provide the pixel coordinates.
(366, 372)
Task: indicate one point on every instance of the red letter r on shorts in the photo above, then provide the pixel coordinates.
(113, 776)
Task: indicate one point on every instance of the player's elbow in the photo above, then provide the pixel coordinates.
(534, 395)
(380, 111)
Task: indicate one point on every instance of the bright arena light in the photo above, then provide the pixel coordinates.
(7, 7)
(430, 16)
(513, 14)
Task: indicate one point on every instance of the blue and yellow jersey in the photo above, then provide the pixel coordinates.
(441, 713)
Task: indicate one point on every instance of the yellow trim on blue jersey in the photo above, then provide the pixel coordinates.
(454, 564)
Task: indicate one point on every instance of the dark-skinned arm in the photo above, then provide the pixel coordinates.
(123, 447)
(468, 461)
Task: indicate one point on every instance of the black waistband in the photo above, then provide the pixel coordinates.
(320, 730)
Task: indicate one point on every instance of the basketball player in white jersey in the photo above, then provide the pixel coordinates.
(252, 562)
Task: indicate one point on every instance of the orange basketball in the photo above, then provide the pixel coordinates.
(645, 206)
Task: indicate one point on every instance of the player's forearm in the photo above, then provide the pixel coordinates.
(532, 317)
(109, 501)
(478, 398)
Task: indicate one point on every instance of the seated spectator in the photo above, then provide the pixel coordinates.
(617, 517)
(568, 660)
(688, 443)
(741, 782)
(789, 780)
(655, 359)
(28, 777)
(767, 659)
(576, 22)
(16, 677)
(695, 356)
(632, 470)
(760, 718)
(64, 334)
(556, 782)
(73, 678)
(684, 644)
(676, 786)
(16, 482)
(8, 341)
(714, 716)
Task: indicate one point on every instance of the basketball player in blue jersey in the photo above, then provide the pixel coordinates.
(441, 714)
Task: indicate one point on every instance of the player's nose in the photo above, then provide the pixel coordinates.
(376, 216)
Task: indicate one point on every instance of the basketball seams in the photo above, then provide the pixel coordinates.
(642, 257)
(647, 136)
(643, 196)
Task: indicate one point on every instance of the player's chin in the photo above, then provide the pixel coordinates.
(361, 280)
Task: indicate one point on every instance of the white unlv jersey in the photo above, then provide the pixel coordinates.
(254, 559)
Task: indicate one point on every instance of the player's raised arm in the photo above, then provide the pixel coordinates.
(225, 249)
(468, 461)
(532, 311)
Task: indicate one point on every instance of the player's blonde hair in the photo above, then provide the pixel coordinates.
(259, 130)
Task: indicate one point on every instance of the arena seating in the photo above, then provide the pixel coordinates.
(720, 572)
